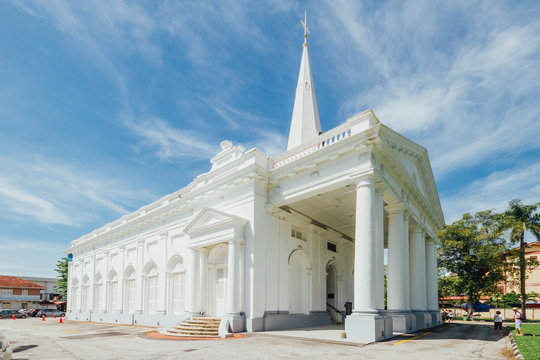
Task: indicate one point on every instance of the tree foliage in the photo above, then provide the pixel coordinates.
(62, 270)
(520, 219)
(471, 250)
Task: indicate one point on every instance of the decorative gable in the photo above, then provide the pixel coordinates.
(212, 226)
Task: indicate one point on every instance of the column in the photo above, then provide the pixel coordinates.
(203, 270)
(120, 284)
(365, 324)
(162, 276)
(432, 293)
(192, 305)
(379, 247)
(417, 256)
(398, 269)
(232, 278)
(364, 252)
(139, 304)
(406, 217)
(397, 266)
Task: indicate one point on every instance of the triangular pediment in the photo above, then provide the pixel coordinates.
(414, 159)
(208, 219)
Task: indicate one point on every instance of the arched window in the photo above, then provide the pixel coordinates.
(130, 289)
(98, 292)
(75, 295)
(85, 294)
(151, 288)
(178, 288)
(112, 292)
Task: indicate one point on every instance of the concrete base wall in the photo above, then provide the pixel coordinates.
(423, 319)
(284, 321)
(158, 320)
(368, 328)
(403, 322)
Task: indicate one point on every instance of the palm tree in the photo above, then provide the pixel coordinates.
(519, 219)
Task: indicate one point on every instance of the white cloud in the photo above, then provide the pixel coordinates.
(23, 257)
(494, 192)
(53, 193)
(170, 142)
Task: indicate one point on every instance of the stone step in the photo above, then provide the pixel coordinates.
(202, 324)
(192, 328)
(196, 327)
(193, 332)
(202, 318)
(188, 335)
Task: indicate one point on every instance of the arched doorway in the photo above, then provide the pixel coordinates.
(217, 300)
(299, 283)
(331, 286)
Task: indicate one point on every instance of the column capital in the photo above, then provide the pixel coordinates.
(379, 189)
(163, 234)
(365, 180)
(236, 241)
(417, 229)
(397, 208)
(140, 242)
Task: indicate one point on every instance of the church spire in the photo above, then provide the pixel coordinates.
(305, 123)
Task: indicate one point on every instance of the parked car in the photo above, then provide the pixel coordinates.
(6, 351)
(4, 314)
(33, 312)
(25, 311)
(50, 312)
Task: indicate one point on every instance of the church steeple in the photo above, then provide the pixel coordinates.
(305, 123)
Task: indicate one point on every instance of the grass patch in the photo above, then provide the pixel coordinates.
(506, 320)
(529, 346)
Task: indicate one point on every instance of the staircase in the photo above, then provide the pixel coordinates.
(196, 327)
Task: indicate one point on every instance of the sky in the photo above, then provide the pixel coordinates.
(109, 105)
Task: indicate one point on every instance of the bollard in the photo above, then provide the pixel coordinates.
(42, 317)
(60, 320)
(54, 316)
(13, 317)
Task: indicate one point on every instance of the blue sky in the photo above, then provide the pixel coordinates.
(107, 106)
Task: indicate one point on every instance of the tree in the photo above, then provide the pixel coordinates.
(510, 300)
(519, 219)
(62, 270)
(471, 249)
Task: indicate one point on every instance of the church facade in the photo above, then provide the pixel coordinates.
(280, 242)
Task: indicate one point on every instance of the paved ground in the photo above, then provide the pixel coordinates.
(35, 339)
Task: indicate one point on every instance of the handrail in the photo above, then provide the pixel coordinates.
(339, 311)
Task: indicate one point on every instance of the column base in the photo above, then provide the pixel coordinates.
(367, 328)
(436, 317)
(231, 323)
(423, 319)
(403, 322)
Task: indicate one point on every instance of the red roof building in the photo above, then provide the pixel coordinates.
(17, 293)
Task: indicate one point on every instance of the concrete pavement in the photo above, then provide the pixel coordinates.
(35, 339)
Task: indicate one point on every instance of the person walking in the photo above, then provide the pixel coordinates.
(517, 321)
(497, 321)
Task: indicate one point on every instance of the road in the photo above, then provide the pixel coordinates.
(36, 339)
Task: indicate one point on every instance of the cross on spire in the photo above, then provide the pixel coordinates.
(304, 24)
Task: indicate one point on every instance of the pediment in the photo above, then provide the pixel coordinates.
(209, 222)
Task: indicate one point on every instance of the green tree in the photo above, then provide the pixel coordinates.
(519, 219)
(62, 270)
(471, 249)
(510, 300)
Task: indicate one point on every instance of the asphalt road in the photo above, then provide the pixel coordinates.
(35, 339)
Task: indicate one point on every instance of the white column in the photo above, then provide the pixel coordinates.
(232, 277)
(139, 304)
(192, 305)
(397, 264)
(120, 285)
(431, 276)
(92, 273)
(418, 269)
(364, 252)
(379, 247)
(162, 268)
(203, 254)
(407, 260)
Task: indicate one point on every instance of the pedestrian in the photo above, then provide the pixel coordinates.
(497, 321)
(450, 316)
(517, 321)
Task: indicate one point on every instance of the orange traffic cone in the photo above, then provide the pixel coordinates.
(42, 317)
(54, 316)
(13, 317)
(61, 320)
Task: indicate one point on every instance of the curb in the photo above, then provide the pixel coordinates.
(515, 349)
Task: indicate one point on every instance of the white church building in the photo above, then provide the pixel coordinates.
(281, 242)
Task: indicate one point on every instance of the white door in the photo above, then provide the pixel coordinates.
(220, 289)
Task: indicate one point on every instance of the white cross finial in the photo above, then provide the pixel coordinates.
(304, 24)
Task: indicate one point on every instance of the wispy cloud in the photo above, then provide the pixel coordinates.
(495, 191)
(25, 257)
(54, 193)
(170, 142)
